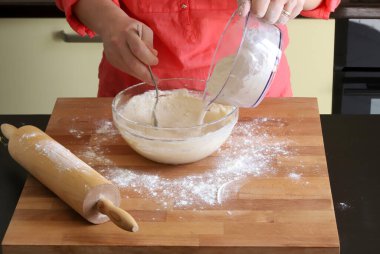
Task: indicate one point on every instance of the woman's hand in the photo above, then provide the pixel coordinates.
(272, 11)
(128, 45)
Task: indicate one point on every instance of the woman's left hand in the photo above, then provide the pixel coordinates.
(272, 11)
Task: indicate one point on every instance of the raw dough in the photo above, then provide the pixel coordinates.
(175, 108)
(179, 139)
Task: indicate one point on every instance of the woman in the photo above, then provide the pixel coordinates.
(178, 37)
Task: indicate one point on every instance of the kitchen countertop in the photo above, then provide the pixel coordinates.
(351, 144)
(47, 8)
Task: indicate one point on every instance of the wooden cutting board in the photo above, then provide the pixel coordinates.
(265, 191)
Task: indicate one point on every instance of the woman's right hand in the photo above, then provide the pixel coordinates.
(128, 46)
(124, 47)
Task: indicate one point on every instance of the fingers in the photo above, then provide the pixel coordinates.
(121, 57)
(154, 51)
(297, 9)
(141, 50)
(276, 11)
(129, 47)
(147, 38)
(244, 6)
(284, 16)
(136, 68)
(287, 12)
(259, 7)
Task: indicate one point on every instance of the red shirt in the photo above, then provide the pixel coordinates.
(185, 35)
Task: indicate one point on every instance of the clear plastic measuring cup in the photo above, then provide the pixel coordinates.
(244, 62)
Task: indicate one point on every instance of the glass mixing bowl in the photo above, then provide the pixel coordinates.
(171, 145)
(244, 62)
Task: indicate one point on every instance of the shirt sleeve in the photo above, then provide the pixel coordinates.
(323, 10)
(67, 7)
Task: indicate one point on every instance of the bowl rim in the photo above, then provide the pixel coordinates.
(118, 95)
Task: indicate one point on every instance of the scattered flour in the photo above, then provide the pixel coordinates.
(343, 206)
(106, 127)
(61, 156)
(249, 152)
(29, 135)
(76, 133)
(295, 176)
(94, 155)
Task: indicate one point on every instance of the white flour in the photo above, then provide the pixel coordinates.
(60, 156)
(294, 176)
(94, 156)
(76, 133)
(250, 152)
(106, 127)
(343, 206)
(105, 133)
(29, 135)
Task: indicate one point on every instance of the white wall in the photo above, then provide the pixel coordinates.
(36, 66)
(311, 59)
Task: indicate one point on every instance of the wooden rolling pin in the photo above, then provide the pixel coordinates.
(71, 179)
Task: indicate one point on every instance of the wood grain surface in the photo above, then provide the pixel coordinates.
(289, 210)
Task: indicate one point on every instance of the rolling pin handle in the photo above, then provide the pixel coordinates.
(117, 215)
(8, 130)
